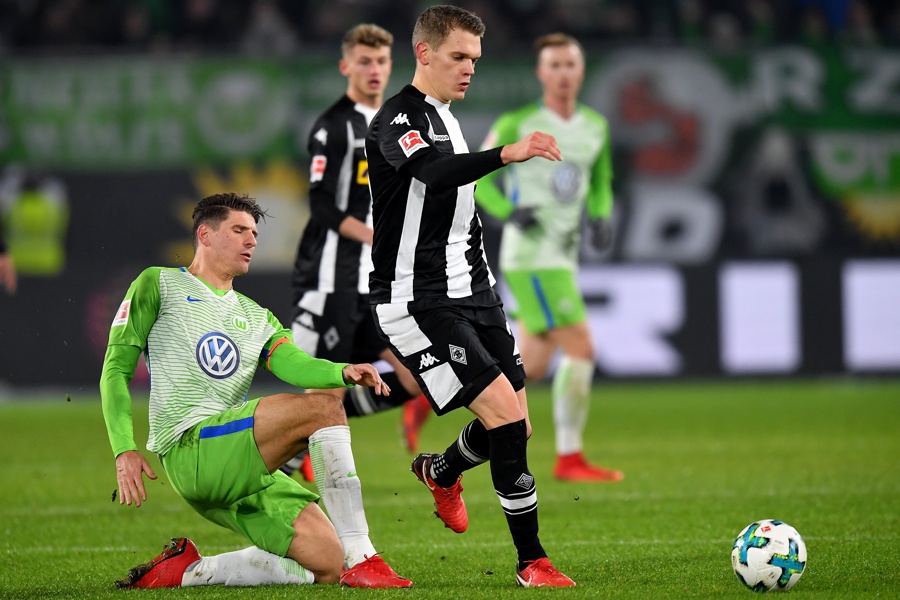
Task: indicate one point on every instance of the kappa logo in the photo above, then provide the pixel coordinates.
(412, 141)
(427, 360)
(440, 137)
(400, 119)
(218, 355)
(321, 136)
(525, 481)
(458, 354)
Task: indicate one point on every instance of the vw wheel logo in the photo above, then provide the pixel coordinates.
(218, 355)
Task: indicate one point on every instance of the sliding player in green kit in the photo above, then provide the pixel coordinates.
(542, 207)
(203, 342)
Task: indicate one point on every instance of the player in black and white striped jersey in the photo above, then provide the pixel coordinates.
(331, 317)
(431, 286)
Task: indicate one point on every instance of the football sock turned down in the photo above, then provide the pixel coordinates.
(469, 450)
(571, 401)
(248, 567)
(515, 488)
(341, 490)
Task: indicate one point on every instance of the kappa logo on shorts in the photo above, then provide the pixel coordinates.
(218, 355)
(412, 141)
(427, 360)
(458, 354)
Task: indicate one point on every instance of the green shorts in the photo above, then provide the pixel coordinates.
(216, 467)
(547, 299)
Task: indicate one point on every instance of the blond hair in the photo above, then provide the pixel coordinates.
(552, 40)
(366, 34)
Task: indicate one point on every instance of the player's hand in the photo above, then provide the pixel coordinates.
(534, 144)
(366, 375)
(523, 217)
(130, 467)
(601, 233)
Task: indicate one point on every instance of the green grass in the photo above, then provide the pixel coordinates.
(702, 460)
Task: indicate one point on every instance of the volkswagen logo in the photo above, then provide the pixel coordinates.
(218, 355)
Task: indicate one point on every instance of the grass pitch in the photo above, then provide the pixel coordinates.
(701, 461)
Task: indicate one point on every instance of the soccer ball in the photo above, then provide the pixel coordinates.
(768, 555)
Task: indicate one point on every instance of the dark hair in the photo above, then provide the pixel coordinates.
(366, 34)
(214, 209)
(555, 39)
(435, 24)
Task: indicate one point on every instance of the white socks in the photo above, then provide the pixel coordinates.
(341, 491)
(250, 566)
(571, 401)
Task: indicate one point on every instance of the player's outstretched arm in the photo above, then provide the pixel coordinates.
(366, 375)
(130, 468)
(532, 145)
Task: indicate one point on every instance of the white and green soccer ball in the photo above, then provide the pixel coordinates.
(768, 556)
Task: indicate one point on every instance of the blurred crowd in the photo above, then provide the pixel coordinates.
(279, 28)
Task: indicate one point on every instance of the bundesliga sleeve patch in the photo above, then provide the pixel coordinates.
(122, 313)
(317, 168)
(411, 141)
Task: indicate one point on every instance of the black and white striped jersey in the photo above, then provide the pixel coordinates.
(338, 187)
(428, 240)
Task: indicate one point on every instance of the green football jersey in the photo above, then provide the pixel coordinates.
(202, 348)
(560, 191)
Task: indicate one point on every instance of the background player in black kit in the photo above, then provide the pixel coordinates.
(332, 318)
(431, 287)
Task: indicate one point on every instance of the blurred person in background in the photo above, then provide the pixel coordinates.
(332, 318)
(220, 449)
(542, 207)
(34, 208)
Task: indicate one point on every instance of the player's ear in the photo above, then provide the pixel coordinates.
(342, 67)
(423, 53)
(203, 234)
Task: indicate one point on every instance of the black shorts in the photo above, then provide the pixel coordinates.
(338, 327)
(453, 347)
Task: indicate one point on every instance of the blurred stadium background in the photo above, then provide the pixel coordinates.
(757, 157)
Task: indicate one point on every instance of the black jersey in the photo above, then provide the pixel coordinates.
(338, 187)
(427, 240)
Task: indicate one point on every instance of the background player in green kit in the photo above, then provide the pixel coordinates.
(542, 206)
(203, 342)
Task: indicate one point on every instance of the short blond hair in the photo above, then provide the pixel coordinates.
(435, 24)
(366, 34)
(552, 40)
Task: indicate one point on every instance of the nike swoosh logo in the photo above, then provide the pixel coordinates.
(189, 299)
